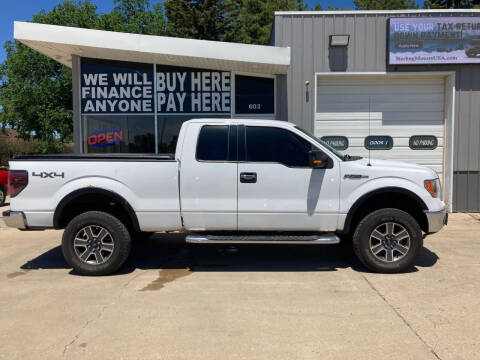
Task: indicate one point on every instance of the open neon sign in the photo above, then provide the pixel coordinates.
(107, 137)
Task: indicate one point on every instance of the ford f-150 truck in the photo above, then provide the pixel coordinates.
(229, 181)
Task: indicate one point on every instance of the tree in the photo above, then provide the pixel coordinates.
(451, 4)
(35, 91)
(253, 23)
(385, 4)
(134, 16)
(199, 19)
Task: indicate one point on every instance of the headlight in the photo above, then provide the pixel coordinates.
(433, 187)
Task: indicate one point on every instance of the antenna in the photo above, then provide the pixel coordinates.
(369, 121)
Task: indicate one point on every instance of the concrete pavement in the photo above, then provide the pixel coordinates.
(173, 301)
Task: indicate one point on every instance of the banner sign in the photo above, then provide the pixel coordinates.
(109, 87)
(337, 142)
(423, 142)
(381, 142)
(184, 90)
(441, 40)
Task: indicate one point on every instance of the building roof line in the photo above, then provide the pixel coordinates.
(62, 42)
(373, 12)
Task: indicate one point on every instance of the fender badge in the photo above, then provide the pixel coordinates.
(355, 176)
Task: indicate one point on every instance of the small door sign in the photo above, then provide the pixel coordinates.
(337, 142)
(423, 142)
(378, 142)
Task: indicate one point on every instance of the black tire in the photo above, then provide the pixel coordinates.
(387, 260)
(118, 243)
(470, 53)
(3, 196)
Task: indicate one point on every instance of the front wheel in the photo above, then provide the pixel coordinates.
(388, 241)
(96, 243)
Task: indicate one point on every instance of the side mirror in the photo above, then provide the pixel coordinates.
(318, 160)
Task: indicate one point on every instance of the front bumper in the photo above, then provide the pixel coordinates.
(15, 219)
(436, 220)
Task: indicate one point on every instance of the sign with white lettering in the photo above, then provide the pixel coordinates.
(378, 142)
(109, 87)
(434, 40)
(185, 90)
(423, 142)
(337, 142)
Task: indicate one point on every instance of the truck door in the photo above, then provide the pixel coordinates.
(277, 190)
(208, 177)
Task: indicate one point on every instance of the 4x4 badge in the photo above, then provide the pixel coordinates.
(51, 175)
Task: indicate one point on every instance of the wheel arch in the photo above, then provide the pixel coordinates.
(400, 198)
(92, 198)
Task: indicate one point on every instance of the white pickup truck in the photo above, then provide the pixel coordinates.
(229, 181)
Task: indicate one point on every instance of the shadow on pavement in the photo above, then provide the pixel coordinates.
(169, 251)
(51, 259)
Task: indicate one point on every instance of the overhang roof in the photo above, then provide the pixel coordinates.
(61, 42)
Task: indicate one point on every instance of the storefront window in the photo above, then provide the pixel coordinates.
(119, 134)
(254, 95)
(129, 107)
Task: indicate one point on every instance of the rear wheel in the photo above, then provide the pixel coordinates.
(96, 243)
(471, 53)
(388, 241)
(3, 196)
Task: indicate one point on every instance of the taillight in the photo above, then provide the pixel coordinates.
(17, 181)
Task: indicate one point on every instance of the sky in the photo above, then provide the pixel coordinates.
(22, 10)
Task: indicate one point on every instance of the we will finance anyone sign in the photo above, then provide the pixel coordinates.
(115, 87)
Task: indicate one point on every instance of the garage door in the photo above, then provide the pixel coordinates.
(406, 114)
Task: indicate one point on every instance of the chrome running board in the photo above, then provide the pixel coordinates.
(325, 239)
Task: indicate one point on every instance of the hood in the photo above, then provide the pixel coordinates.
(382, 168)
(392, 164)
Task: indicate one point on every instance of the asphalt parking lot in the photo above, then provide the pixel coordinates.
(173, 301)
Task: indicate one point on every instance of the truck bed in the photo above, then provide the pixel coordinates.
(149, 183)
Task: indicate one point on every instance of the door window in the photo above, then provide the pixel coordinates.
(213, 143)
(270, 144)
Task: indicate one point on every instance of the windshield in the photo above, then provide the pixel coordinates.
(333, 150)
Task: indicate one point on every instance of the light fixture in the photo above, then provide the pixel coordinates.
(339, 40)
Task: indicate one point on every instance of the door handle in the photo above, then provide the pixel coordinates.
(248, 177)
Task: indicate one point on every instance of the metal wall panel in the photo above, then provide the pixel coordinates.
(307, 34)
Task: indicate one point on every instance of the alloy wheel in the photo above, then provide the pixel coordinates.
(389, 242)
(93, 244)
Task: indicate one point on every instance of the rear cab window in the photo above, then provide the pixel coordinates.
(217, 143)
